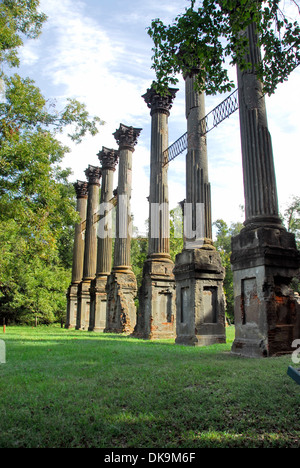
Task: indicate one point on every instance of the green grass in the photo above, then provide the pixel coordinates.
(62, 388)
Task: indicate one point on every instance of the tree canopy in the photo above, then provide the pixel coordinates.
(207, 36)
(18, 19)
(37, 202)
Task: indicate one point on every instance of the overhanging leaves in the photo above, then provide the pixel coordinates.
(209, 37)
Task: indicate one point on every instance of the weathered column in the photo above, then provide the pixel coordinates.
(264, 254)
(200, 301)
(198, 227)
(121, 285)
(93, 175)
(81, 189)
(261, 203)
(108, 159)
(157, 305)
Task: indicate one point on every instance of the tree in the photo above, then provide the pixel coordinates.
(292, 218)
(208, 36)
(37, 203)
(223, 245)
(139, 252)
(18, 18)
(176, 232)
(32, 186)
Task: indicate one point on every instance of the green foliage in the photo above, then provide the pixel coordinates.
(76, 115)
(139, 245)
(210, 37)
(292, 218)
(35, 254)
(18, 18)
(139, 252)
(37, 203)
(223, 245)
(26, 109)
(176, 232)
(31, 286)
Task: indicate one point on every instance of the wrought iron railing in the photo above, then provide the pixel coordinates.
(208, 123)
(223, 111)
(175, 149)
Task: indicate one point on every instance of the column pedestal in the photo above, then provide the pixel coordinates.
(267, 314)
(121, 292)
(157, 300)
(98, 304)
(84, 302)
(199, 298)
(72, 294)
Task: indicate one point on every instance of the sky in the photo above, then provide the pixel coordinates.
(99, 52)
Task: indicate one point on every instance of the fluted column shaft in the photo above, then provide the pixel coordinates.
(159, 196)
(197, 180)
(127, 139)
(122, 255)
(81, 189)
(159, 217)
(108, 159)
(261, 202)
(90, 253)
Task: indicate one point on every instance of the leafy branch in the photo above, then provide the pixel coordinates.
(24, 108)
(209, 38)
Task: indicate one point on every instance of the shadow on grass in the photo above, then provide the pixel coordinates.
(69, 338)
(80, 389)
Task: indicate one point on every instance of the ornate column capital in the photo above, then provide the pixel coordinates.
(108, 158)
(126, 137)
(160, 103)
(81, 189)
(93, 175)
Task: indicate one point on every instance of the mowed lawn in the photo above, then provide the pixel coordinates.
(62, 388)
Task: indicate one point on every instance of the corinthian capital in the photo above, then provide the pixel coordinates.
(93, 175)
(160, 103)
(126, 137)
(81, 189)
(108, 158)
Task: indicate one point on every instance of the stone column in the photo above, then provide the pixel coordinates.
(81, 189)
(198, 192)
(264, 254)
(200, 301)
(261, 203)
(93, 175)
(121, 285)
(108, 159)
(157, 306)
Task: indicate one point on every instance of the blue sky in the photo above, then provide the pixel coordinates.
(99, 52)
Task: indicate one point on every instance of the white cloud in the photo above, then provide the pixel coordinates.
(28, 55)
(283, 110)
(100, 53)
